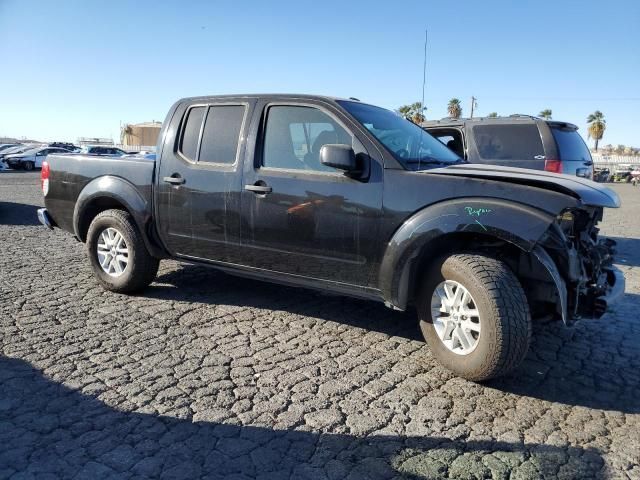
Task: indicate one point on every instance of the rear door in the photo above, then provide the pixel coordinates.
(199, 180)
(512, 144)
(299, 216)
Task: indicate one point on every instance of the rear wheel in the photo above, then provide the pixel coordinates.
(118, 255)
(474, 315)
(28, 166)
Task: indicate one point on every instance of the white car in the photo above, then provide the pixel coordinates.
(30, 159)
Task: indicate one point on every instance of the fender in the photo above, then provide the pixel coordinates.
(509, 221)
(122, 191)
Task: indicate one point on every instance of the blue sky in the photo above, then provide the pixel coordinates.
(79, 68)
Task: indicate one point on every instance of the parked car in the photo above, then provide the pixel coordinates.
(602, 175)
(622, 173)
(103, 150)
(66, 145)
(30, 159)
(17, 149)
(351, 199)
(5, 146)
(516, 141)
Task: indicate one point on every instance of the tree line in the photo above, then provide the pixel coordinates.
(596, 122)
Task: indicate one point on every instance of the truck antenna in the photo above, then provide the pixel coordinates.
(424, 83)
(424, 68)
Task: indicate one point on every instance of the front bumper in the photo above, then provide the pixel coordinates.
(45, 218)
(617, 285)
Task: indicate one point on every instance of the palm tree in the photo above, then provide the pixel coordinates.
(405, 111)
(418, 117)
(597, 126)
(546, 114)
(493, 115)
(126, 135)
(413, 112)
(454, 108)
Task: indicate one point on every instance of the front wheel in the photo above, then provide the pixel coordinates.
(118, 255)
(474, 315)
(28, 166)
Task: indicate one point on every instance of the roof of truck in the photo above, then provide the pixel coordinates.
(273, 96)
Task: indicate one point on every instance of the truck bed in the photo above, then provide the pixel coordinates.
(74, 174)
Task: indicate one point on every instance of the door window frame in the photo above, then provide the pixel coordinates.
(242, 135)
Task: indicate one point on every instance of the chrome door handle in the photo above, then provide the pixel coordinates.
(263, 189)
(174, 180)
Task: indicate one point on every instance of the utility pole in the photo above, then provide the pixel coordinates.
(474, 104)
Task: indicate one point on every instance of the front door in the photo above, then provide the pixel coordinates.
(301, 217)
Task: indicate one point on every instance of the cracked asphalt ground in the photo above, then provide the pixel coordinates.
(205, 375)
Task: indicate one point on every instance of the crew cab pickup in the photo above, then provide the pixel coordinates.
(351, 199)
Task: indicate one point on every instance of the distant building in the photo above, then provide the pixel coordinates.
(140, 134)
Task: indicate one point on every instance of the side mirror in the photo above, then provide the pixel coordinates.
(337, 156)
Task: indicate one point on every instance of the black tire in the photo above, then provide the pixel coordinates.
(141, 268)
(28, 166)
(504, 316)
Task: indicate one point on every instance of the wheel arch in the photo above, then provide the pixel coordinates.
(454, 226)
(111, 192)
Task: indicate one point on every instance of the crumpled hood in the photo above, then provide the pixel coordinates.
(588, 191)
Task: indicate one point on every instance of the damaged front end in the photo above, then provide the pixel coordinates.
(580, 264)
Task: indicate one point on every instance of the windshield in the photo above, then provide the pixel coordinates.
(30, 150)
(414, 148)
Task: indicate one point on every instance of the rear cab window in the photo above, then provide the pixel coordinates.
(570, 144)
(191, 133)
(211, 133)
(508, 142)
(221, 134)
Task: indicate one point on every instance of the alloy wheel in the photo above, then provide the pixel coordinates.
(455, 317)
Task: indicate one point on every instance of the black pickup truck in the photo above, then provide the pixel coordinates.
(348, 198)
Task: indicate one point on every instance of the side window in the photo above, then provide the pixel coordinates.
(508, 142)
(444, 139)
(191, 133)
(294, 136)
(452, 139)
(221, 134)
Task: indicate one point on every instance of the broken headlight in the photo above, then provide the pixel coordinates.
(566, 221)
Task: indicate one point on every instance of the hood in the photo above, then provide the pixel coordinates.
(588, 191)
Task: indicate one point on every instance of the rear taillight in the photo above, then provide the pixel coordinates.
(44, 177)
(554, 166)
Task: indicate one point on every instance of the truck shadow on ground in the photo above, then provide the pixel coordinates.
(590, 365)
(18, 214)
(628, 249)
(48, 428)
